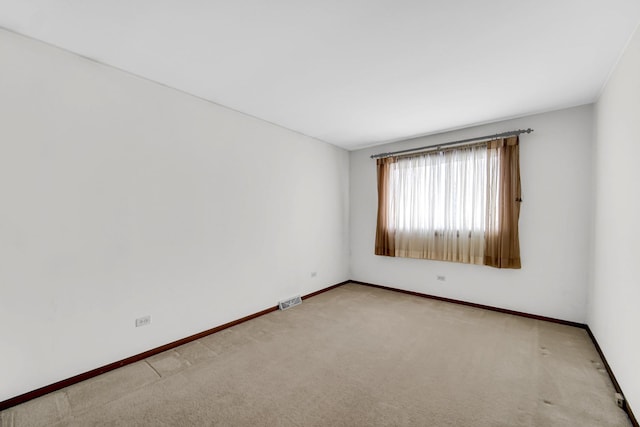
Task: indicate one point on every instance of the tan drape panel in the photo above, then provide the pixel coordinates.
(385, 238)
(502, 247)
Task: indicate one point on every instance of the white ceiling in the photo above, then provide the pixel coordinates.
(353, 73)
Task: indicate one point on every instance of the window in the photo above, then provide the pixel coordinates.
(459, 204)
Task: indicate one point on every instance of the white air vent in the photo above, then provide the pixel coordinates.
(288, 303)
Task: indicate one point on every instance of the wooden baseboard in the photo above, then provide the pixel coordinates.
(473, 304)
(313, 294)
(616, 385)
(115, 365)
(98, 371)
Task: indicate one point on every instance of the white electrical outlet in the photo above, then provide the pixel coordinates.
(143, 321)
(441, 278)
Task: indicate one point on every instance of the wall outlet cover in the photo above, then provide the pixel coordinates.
(143, 321)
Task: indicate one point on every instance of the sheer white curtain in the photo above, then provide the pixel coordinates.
(437, 205)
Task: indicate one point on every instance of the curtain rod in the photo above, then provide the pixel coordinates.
(479, 138)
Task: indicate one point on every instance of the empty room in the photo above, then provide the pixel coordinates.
(321, 213)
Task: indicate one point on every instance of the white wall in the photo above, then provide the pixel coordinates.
(122, 198)
(614, 296)
(554, 223)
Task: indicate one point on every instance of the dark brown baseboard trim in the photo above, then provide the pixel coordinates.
(616, 385)
(115, 365)
(98, 371)
(473, 304)
(313, 294)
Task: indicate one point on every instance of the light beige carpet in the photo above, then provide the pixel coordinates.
(353, 356)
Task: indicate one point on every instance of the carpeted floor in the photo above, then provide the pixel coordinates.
(353, 356)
